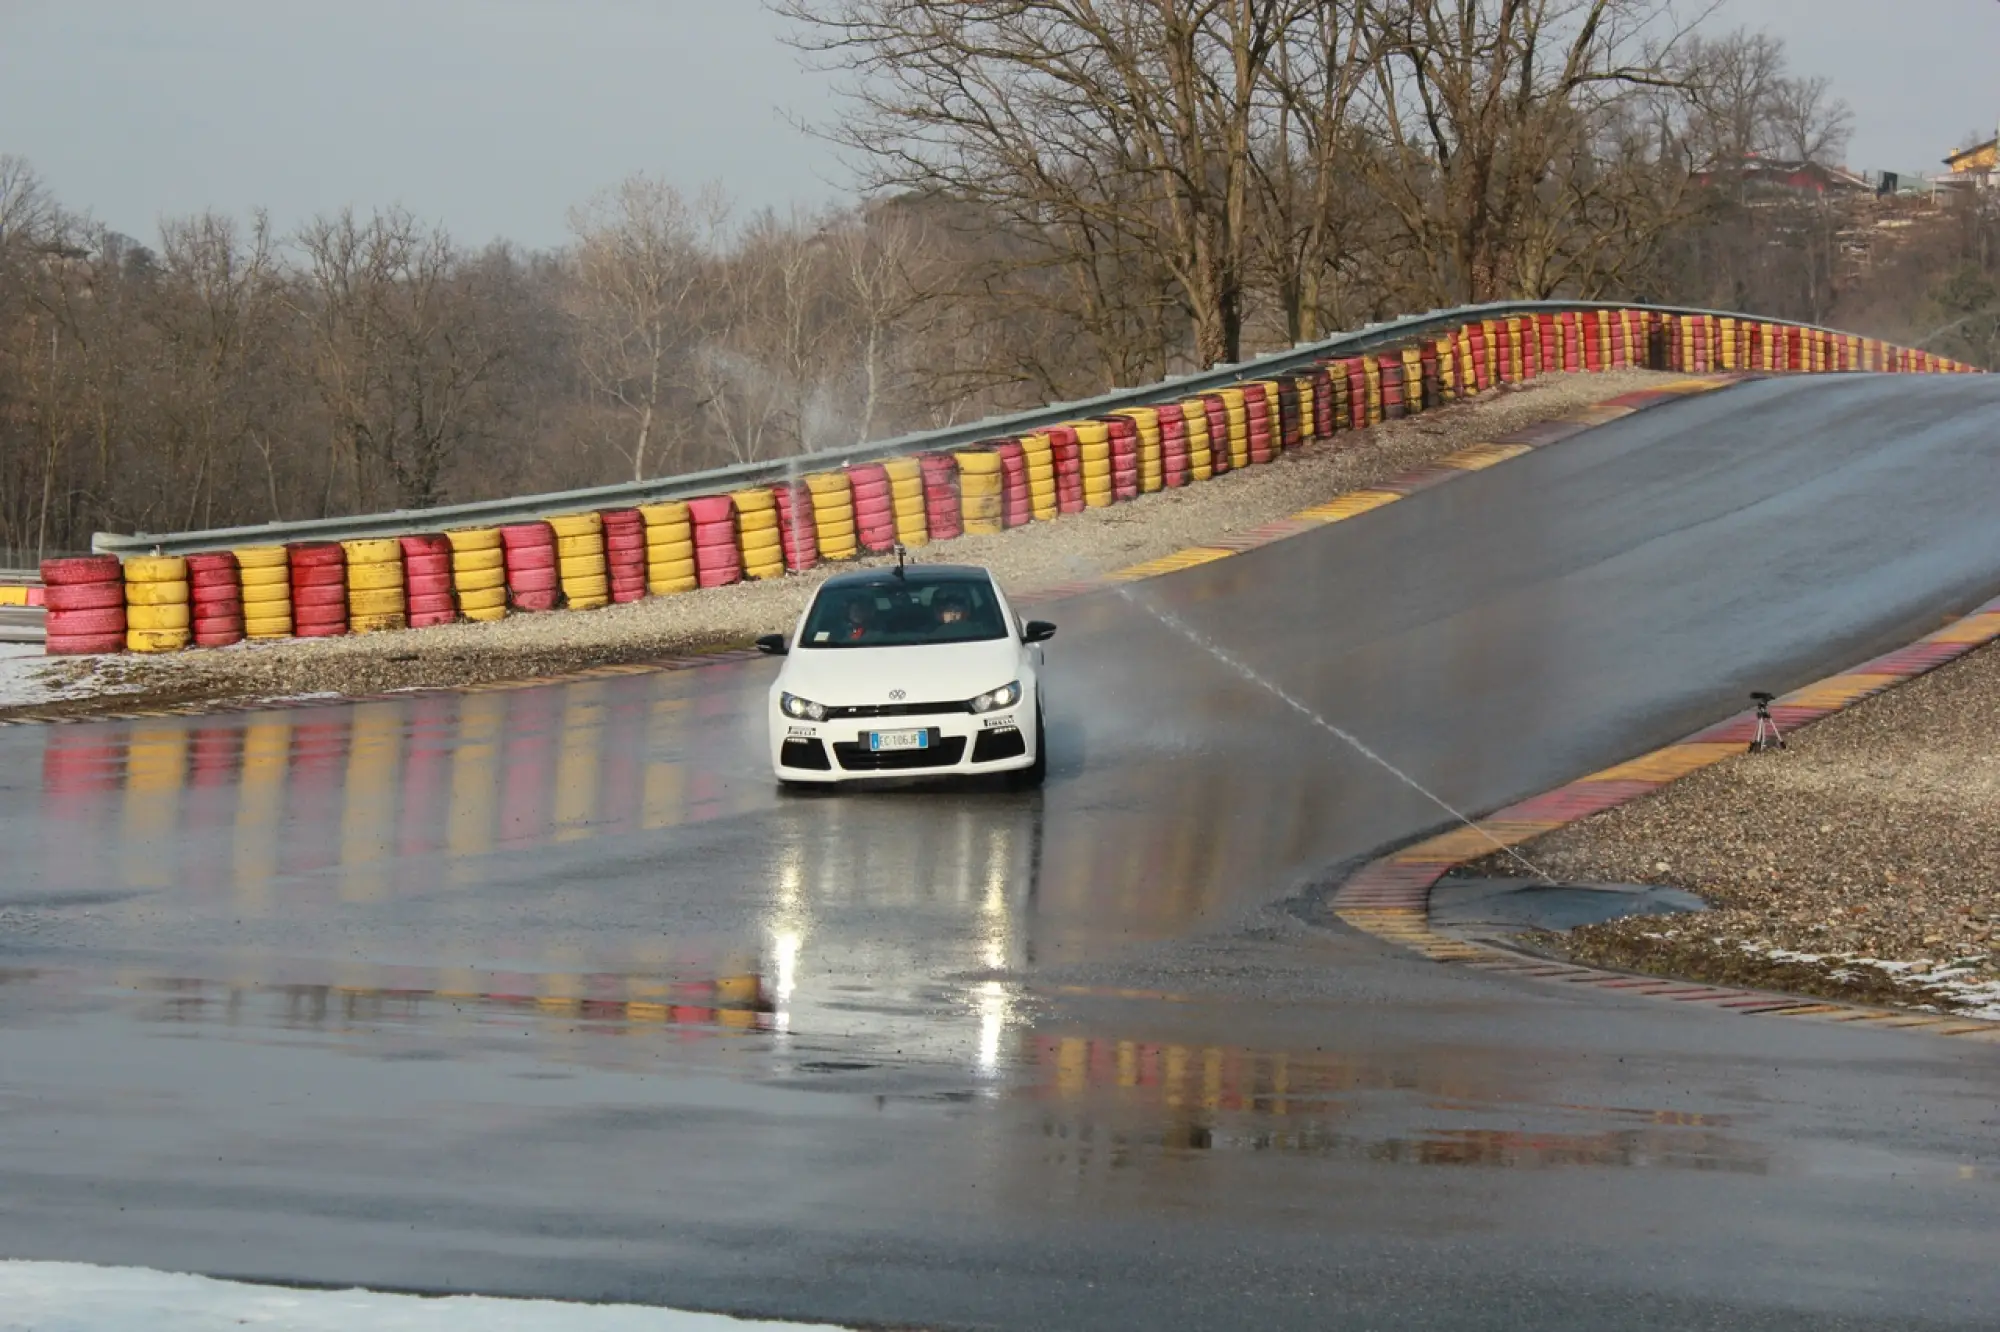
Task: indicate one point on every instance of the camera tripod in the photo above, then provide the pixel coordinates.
(1767, 735)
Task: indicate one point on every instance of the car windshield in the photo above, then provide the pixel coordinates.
(898, 613)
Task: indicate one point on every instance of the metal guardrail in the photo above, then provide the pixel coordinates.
(486, 513)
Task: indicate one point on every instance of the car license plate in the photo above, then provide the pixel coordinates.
(881, 740)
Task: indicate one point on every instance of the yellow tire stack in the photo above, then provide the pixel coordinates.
(757, 534)
(1093, 446)
(1413, 382)
(580, 566)
(375, 596)
(157, 617)
(980, 481)
(669, 548)
(1308, 402)
(266, 574)
(833, 515)
(906, 494)
(1152, 461)
(1040, 457)
(479, 572)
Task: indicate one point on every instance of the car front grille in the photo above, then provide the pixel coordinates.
(944, 752)
(897, 710)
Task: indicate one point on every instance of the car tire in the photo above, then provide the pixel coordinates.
(1037, 772)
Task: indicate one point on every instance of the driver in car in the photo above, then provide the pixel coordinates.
(858, 620)
(951, 608)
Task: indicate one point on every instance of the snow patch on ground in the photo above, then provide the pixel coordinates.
(1978, 998)
(21, 668)
(76, 1297)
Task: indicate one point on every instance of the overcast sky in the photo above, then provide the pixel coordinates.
(495, 116)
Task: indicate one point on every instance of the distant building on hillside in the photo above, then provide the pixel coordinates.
(1972, 168)
(1795, 177)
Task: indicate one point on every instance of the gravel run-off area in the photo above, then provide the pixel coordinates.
(1862, 862)
(1026, 558)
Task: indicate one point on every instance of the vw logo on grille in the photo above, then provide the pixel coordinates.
(898, 695)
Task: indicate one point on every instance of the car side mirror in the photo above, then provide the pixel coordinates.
(1037, 631)
(772, 645)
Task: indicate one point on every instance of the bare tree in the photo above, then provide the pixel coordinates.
(400, 360)
(639, 258)
(1809, 122)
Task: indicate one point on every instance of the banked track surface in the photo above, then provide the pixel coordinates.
(417, 995)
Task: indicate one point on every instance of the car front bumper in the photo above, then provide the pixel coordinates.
(957, 745)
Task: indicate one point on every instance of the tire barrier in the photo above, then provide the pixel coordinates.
(670, 555)
(833, 515)
(319, 588)
(265, 575)
(625, 554)
(1066, 454)
(582, 560)
(429, 599)
(478, 572)
(1215, 411)
(157, 613)
(1258, 433)
(795, 526)
(717, 562)
(1017, 505)
(85, 599)
(530, 562)
(758, 538)
(941, 513)
(375, 597)
(980, 483)
(1040, 455)
(1175, 466)
(215, 593)
(1093, 449)
(581, 570)
(874, 508)
(1122, 434)
(907, 493)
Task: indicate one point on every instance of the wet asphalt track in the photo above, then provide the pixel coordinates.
(452, 993)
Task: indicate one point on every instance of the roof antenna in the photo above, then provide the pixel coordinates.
(900, 552)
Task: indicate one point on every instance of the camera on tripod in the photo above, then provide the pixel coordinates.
(1767, 735)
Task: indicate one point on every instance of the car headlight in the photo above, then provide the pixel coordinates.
(1006, 696)
(802, 708)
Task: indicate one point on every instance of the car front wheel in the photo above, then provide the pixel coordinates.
(1035, 773)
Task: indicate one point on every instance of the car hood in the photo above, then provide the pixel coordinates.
(927, 673)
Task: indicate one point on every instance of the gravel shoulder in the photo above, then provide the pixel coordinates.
(1026, 558)
(1862, 863)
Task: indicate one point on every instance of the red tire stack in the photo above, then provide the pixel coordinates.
(319, 589)
(530, 559)
(1324, 423)
(429, 598)
(874, 507)
(798, 532)
(1124, 457)
(215, 591)
(718, 560)
(1393, 406)
(85, 599)
(941, 509)
(1357, 392)
(1066, 453)
(1017, 502)
(1257, 420)
(1175, 468)
(625, 553)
